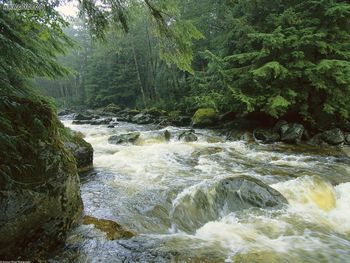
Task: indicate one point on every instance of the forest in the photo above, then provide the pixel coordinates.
(175, 130)
(279, 58)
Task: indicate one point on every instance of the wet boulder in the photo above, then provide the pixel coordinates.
(143, 118)
(238, 135)
(81, 122)
(65, 112)
(333, 137)
(102, 121)
(204, 117)
(39, 186)
(81, 117)
(112, 229)
(124, 138)
(188, 136)
(167, 135)
(289, 132)
(265, 136)
(347, 139)
(81, 150)
(292, 133)
(210, 202)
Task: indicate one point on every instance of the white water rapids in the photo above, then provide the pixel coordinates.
(138, 185)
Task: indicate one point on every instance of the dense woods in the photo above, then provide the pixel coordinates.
(278, 58)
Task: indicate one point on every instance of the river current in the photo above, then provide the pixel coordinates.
(138, 185)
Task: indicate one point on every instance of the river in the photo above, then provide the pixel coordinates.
(139, 185)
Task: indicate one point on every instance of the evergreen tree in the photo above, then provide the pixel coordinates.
(286, 57)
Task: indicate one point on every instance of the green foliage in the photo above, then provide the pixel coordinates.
(28, 133)
(276, 57)
(285, 56)
(29, 41)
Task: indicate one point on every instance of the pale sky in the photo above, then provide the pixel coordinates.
(69, 9)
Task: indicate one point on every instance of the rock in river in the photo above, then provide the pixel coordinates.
(143, 118)
(39, 185)
(204, 117)
(124, 138)
(209, 203)
(111, 228)
(333, 137)
(82, 150)
(188, 136)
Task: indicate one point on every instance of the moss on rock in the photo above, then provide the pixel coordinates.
(81, 150)
(39, 186)
(204, 117)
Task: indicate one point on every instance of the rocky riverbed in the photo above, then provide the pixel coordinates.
(210, 199)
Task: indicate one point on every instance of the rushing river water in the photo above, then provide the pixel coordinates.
(139, 185)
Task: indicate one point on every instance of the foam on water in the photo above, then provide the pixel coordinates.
(153, 175)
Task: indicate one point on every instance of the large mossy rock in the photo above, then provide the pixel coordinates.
(124, 138)
(81, 150)
(204, 117)
(39, 184)
(209, 203)
(112, 229)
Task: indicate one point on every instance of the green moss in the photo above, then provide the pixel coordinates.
(28, 133)
(40, 197)
(204, 117)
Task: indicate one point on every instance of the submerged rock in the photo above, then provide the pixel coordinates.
(188, 136)
(124, 138)
(112, 229)
(228, 195)
(82, 150)
(167, 135)
(204, 117)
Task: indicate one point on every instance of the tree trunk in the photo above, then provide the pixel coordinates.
(138, 74)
